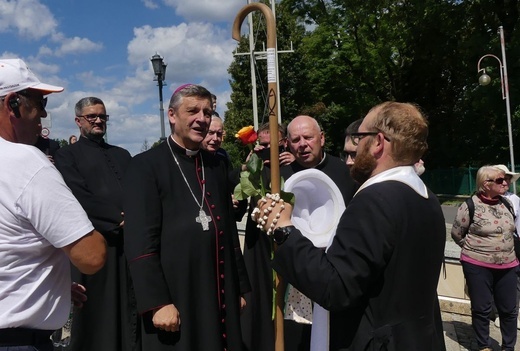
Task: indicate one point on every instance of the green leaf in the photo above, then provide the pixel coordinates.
(239, 194)
(255, 164)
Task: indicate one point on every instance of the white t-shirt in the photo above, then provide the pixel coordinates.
(38, 215)
(515, 200)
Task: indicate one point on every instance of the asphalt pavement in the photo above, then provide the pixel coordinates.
(459, 336)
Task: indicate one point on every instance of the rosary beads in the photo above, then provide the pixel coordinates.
(262, 219)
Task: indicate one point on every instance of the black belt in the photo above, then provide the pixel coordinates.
(24, 336)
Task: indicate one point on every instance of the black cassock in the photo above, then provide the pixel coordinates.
(108, 320)
(257, 324)
(173, 260)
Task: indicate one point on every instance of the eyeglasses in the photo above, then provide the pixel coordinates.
(496, 181)
(356, 137)
(92, 117)
(41, 101)
(346, 155)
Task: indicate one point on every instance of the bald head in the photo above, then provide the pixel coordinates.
(306, 140)
(303, 120)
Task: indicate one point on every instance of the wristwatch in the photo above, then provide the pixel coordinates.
(281, 234)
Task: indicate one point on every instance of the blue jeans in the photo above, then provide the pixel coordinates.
(484, 284)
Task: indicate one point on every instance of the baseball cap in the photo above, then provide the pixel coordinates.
(16, 76)
(514, 175)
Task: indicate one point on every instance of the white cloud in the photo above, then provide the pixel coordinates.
(150, 4)
(91, 80)
(29, 18)
(206, 10)
(194, 52)
(77, 46)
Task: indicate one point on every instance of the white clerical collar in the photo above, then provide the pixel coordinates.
(188, 151)
(322, 159)
(403, 174)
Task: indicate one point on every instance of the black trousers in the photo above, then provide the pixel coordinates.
(24, 339)
(484, 284)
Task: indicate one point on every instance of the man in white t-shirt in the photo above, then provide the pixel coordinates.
(42, 225)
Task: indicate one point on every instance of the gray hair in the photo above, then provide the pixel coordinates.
(188, 90)
(484, 173)
(85, 102)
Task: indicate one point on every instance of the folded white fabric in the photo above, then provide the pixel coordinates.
(318, 205)
(317, 210)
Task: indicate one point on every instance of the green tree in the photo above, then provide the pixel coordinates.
(356, 54)
(293, 84)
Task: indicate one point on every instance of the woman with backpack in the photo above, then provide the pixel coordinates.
(484, 228)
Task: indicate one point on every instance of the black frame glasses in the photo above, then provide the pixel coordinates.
(498, 181)
(357, 137)
(41, 101)
(345, 155)
(91, 117)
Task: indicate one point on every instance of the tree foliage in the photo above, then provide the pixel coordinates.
(351, 54)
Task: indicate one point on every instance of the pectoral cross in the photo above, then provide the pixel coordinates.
(203, 219)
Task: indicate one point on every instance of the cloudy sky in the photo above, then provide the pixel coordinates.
(103, 48)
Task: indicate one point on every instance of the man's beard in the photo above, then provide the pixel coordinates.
(363, 166)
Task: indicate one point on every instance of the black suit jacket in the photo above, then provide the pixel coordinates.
(379, 277)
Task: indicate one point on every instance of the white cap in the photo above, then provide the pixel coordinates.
(16, 76)
(514, 175)
(318, 205)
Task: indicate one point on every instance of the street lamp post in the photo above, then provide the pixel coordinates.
(484, 79)
(159, 69)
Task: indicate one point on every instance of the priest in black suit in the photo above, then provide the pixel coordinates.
(181, 238)
(94, 169)
(378, 277)
(305, 141)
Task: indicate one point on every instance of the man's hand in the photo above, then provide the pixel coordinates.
(234, 201)
(78, 294)
(167, 318)
(243, 304)
(286, 158)
(269, 212)
(123, 221)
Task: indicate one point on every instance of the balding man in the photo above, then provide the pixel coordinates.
(378, 277)
(306, 141)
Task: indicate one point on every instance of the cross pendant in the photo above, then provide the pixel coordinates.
(203, 219)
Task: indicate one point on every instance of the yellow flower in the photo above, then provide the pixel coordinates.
(246, 135)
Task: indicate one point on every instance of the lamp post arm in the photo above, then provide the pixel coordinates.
(502, 75)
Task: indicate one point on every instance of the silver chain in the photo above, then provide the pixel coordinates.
(201, 204)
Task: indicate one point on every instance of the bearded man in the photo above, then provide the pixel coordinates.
(378, 277)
